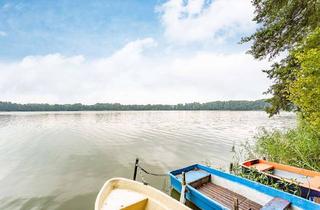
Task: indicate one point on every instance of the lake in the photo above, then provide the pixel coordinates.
(60, 160)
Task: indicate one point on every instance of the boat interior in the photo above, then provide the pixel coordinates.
(231, 194)
(133, 201)
(305, 177)
(121, 194)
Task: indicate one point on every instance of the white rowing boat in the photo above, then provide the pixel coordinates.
(125, 194)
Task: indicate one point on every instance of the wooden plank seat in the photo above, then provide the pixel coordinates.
(227, 197)
(262, 166)
(138, 205)
(196, 178)
(314, 182)
(276, 204)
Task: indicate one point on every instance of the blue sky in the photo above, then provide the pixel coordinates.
(128, 51)
(92, 28)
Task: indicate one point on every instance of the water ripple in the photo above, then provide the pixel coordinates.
(60, 160)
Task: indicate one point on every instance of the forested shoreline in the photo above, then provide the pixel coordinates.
(215, 105)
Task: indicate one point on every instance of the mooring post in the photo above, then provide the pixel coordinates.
(231, 168)
(135, 169)
(183, 188)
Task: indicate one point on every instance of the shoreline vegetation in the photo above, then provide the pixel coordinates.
(289, 36)
(298, 147)
(234, 105)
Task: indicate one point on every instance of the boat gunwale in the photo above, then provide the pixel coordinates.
(293, 169)
(293, 199)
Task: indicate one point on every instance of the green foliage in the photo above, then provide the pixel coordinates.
(305, 89)
(293, 27)
(216, 105)
(297, 147)
(283, 25)
(282, 75)
(254, 175)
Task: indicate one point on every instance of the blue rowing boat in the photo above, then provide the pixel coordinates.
(209, 188)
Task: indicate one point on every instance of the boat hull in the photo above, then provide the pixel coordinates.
(204, 202)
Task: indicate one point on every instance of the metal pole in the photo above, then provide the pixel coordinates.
(135, 169)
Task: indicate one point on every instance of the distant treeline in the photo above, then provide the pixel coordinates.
(216, 105)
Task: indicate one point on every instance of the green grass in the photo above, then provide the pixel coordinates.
(297, 147)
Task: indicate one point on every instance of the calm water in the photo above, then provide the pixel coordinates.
(60, 160)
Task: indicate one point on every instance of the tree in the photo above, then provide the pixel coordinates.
(305, 89)
(283, 24)
(215, 105)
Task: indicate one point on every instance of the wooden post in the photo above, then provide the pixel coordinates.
(235, 204)
(231, 168)
(183, 189)
(135, 169)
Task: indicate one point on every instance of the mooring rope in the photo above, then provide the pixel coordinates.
(142, 179)
(150, 173)
(142, 170)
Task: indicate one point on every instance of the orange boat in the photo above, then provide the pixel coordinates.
(307, 180)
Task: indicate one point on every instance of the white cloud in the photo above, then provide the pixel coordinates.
(130, 75)
(198, 20)
(6, 6)
(2, 33)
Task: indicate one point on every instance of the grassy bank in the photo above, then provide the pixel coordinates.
(297, 147)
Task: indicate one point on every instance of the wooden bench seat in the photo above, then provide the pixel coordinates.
(227, 198)
(276, 204)
(196, 177)
(262, 167)
(314, 182)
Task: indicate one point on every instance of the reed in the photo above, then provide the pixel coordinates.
(298, 147)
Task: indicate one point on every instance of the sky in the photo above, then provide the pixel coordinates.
(128, 51)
